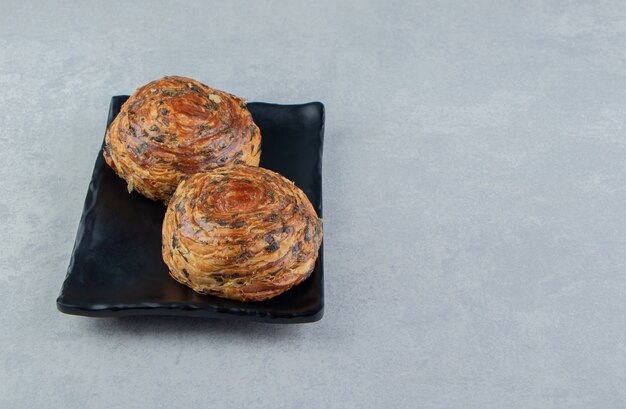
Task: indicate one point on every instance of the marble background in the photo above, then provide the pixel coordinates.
(474, 187)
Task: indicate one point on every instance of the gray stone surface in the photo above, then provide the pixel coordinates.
(475, 169)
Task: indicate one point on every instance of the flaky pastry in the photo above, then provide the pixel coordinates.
(175, 127)
(241, 232)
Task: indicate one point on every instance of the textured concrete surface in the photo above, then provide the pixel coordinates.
(475, 172)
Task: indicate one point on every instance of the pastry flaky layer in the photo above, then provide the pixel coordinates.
(174, 127)
(240, 232)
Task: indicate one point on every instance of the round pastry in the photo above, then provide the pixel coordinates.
(240, 232)
(174, 127)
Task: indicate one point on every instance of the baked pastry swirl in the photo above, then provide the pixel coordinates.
(174, 127)
(240, 232)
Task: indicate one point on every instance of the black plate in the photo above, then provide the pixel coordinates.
(116, 267)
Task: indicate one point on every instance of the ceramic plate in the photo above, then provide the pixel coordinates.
(116, 267)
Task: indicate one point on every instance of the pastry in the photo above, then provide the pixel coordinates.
(175, 127)
(240, 232)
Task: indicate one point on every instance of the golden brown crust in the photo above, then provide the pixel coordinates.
(174, 127)
(241, 232)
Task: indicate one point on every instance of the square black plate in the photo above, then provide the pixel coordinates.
(116, 267)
